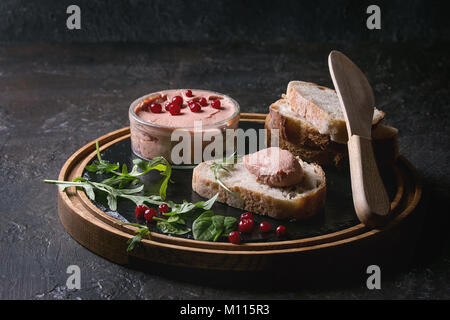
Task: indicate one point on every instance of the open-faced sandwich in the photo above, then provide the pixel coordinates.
(270, 182)
(311, 125)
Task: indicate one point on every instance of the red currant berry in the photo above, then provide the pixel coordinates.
(155, 108)
(163, 208)
(247, 215)
(215, 104)
(167, 106)
(175, 109)
(246, 225)
(188, 93)
(140, 210)
(234, 237)
(177, 100)
(195, 107)
(203, 102)
(149, 214)
(264, 226)
(281, 230)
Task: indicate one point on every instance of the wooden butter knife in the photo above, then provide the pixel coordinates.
(356, 97)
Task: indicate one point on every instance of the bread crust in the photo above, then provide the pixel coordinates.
(319, 118)
(308, 144)
(262, 203)
(295, 130)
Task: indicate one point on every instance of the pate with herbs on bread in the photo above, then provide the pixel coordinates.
(303, 197)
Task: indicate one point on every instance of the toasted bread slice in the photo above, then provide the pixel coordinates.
(321, 108)
(325, 157)
(295, 128)
(295, 202)
(303, 140)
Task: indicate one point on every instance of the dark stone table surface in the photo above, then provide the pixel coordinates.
(57, 97)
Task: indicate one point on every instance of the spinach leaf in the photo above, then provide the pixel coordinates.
(229, 224)
(209, 227)
(172, 228)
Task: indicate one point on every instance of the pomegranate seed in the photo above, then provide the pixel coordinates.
(195, 107)
(281, 230)
(140, 210)
(234, 237)
(155, 108)
(163, 208)
(247, 215)
(246, 225)
(264, 226)
(215, 104)
(203, 102)
(149, 214)
(175, 109)
(177, 100)
(188, 93)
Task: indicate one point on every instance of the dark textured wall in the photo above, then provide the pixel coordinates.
(221, 20)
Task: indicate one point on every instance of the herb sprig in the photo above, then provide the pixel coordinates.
(111, 193)
(206, 226)
(225, 165)
(124, 178)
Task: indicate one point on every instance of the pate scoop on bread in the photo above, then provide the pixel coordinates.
(303, 197)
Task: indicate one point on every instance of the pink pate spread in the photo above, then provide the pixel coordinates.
(275, 167)
(186, 118)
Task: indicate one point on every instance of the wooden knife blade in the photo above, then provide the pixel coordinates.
(355, 94)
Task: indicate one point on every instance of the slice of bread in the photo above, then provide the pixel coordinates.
(295, 202)
(302, 139)
(294, 127)
(321, 108)
(325, 157)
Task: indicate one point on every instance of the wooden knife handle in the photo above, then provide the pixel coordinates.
(369, 195)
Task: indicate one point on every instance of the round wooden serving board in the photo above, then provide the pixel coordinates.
(100, 232)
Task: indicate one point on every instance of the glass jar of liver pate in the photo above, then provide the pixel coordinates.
(180, 124)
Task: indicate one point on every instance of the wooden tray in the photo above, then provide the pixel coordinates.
(99, 231)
